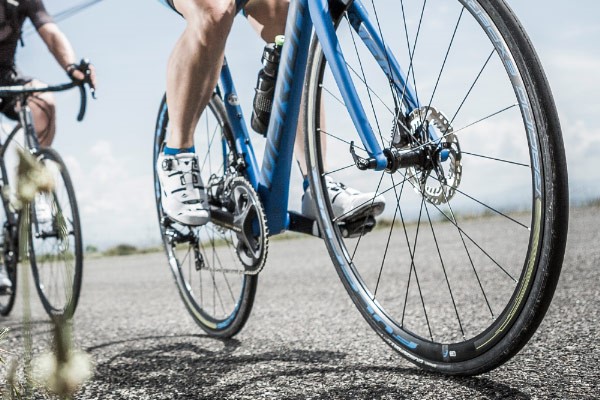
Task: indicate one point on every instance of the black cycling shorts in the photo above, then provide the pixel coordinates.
(11, 77)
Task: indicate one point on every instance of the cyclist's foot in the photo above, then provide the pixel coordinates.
(43, 208)
(5, 283)
(183, 195)
(348, 204)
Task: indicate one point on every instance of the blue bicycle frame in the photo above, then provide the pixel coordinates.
(272, 180)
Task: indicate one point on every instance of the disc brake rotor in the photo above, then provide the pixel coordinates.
(437, 182)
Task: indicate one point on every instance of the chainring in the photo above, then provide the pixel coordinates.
(251, 233)
(438, 183)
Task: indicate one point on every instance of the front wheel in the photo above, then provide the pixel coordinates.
(56, 250)
(8, 251)
(459, 270)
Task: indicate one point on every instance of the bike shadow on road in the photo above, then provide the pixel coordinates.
(203, 367)
(35, 328)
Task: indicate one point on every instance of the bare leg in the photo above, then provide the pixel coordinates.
(300, 145)
(268, 18)
(43, 111)
(194, 65)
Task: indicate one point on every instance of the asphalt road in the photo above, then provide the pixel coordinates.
(305, 339)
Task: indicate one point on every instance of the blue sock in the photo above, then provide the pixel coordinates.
(169, 151)
(305, 183)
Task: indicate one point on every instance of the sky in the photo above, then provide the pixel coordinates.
(109, 154)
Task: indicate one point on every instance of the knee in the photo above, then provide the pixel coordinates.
(212, 21)
(46, 104)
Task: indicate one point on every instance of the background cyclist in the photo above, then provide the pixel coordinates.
(13, 14)
(192, 74)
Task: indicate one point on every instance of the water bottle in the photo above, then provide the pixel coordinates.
(265, 86)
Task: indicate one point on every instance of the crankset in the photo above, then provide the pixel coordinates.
(249, 226)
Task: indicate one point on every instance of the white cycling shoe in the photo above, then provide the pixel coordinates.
(348, 204)
(183, 194)
(43, 208)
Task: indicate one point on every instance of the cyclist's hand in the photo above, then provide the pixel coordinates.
(84, 72)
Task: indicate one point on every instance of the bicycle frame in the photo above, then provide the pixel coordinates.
(272, 180)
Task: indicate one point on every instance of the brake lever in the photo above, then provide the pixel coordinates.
(85, 67)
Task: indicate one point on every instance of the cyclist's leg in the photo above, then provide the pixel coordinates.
(43, 110)
(42, 105)
(195, 62)
(192, 75)
(268, 18)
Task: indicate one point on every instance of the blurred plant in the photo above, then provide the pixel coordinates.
(64, 369)
(3, 335)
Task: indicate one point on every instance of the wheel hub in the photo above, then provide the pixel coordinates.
(438, 175)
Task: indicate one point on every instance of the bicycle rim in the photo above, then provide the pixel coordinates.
(459, 257)
(207, 270)
(7, 252)
(56, 246)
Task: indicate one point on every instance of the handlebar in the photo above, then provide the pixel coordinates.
(84, 66)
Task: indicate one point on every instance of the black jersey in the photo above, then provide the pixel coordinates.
(12, 16)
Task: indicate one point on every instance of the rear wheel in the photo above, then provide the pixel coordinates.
(56, 251)
(461, 267)
(210, 263)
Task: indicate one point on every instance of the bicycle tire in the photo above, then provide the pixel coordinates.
(516, 308)
(8, 252)
(231, 288)
(56, 246)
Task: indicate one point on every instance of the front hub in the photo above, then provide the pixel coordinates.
(438, 174)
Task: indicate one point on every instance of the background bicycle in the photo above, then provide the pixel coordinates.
(52, 225)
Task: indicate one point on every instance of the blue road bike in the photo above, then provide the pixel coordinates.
(440, 106)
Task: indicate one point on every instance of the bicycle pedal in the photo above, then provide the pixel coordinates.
(357, 227)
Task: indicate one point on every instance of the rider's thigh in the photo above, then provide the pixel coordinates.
(43, 110)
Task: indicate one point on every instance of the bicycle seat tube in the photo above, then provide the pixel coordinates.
(26, 119)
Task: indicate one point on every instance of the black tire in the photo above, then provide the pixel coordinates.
(56, 250)
(439, 295)
(215, 291)
(8, 251)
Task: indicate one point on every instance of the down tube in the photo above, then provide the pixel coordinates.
(275, 174)
(236, 118)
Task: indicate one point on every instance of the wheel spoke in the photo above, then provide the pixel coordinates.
(437, 247)
(387, 244)
(462, 103)
(483, 204)
(413, 267)
(462, 238)
(496, 159)
(437, 82)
